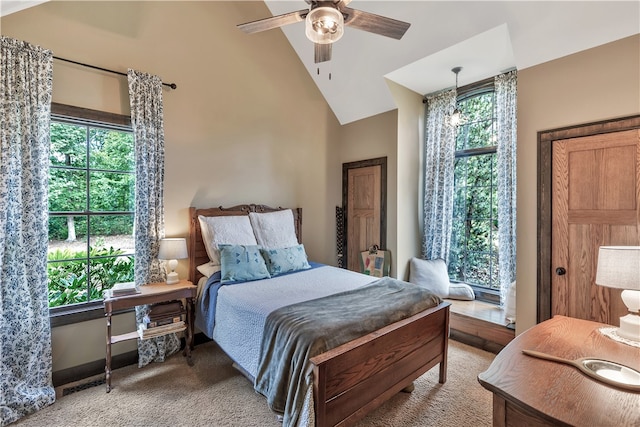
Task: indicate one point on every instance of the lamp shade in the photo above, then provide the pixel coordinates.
(324, 25)
(619, 267)
(173, 248)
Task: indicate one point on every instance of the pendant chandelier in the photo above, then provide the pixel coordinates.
(455, 119)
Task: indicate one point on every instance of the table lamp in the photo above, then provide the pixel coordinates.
(172, 250)
(619, 267)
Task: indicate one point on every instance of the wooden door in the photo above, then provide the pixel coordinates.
(595, 202)
(364, 202)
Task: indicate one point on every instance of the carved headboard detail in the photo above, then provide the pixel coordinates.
(198, 254)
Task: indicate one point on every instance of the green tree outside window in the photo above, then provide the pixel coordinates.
(91, 206)
(473, 256)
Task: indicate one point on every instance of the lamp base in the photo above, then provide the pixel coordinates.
(612, 333)
(630, 324)
(172, 278)
(630, 327)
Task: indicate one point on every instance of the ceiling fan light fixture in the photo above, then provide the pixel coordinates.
(324, 25)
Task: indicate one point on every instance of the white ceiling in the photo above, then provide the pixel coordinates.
(484, 38)
(8, 7)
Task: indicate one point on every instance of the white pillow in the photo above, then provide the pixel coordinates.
(208, 269)
(274, 230)
(431, 274)
(232, 230)
(461, 291)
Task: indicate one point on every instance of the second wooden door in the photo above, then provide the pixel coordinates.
(596, 192)
(364, 184)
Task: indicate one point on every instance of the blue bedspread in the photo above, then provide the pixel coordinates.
(206, 306)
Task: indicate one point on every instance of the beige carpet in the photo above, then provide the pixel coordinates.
(212, 393)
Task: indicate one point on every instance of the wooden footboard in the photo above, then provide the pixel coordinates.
(355, 378)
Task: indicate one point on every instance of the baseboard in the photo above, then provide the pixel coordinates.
(77, 373)
(90, 369)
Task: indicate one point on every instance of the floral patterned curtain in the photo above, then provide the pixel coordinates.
(26, 74)
(506, 106)
(438, 175)
(145, 97)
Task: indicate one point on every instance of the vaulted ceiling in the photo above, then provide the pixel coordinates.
(483, 37)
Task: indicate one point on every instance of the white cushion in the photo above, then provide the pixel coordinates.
(231, 230)
(431, 274)
(208, 269)
(274, 230)
(461, 291)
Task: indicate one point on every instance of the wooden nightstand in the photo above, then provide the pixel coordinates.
(150, 294)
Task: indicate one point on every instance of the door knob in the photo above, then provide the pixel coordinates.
(560, 271)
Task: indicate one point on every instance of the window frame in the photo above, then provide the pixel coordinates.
(65, 315)
(463, 93)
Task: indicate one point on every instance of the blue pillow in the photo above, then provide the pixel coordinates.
(241, 263)
(285, 260)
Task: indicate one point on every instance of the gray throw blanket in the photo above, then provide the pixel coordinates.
(295, 333)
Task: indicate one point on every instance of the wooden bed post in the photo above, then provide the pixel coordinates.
(320, 377)
(442, 378)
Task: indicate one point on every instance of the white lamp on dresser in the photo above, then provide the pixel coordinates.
(171, 250)
(619, 267)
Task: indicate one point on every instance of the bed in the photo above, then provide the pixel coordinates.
(349, 380)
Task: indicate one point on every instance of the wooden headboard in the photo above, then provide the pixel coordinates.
(197, 252)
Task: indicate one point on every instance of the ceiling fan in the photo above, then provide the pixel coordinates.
(325, 22)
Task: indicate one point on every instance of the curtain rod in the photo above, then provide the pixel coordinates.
(171, 85)
(467, 90)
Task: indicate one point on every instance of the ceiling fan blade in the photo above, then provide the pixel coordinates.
(374, 23)
(341, 3)
(273, 22)
(322, 52)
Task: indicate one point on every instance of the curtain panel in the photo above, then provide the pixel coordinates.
(506, 112)
(145, 97)
(439, 162)
(25, 335)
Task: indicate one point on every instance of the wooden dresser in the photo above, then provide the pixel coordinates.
(533, 392)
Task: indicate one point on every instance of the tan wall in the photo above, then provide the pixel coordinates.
(246, 123)
(407, 195)
(397, 135)
(593, 85)
(366, 139)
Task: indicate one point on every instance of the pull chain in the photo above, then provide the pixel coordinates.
(318, 72)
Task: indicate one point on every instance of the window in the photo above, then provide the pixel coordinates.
(91, 207)
(474, 245)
